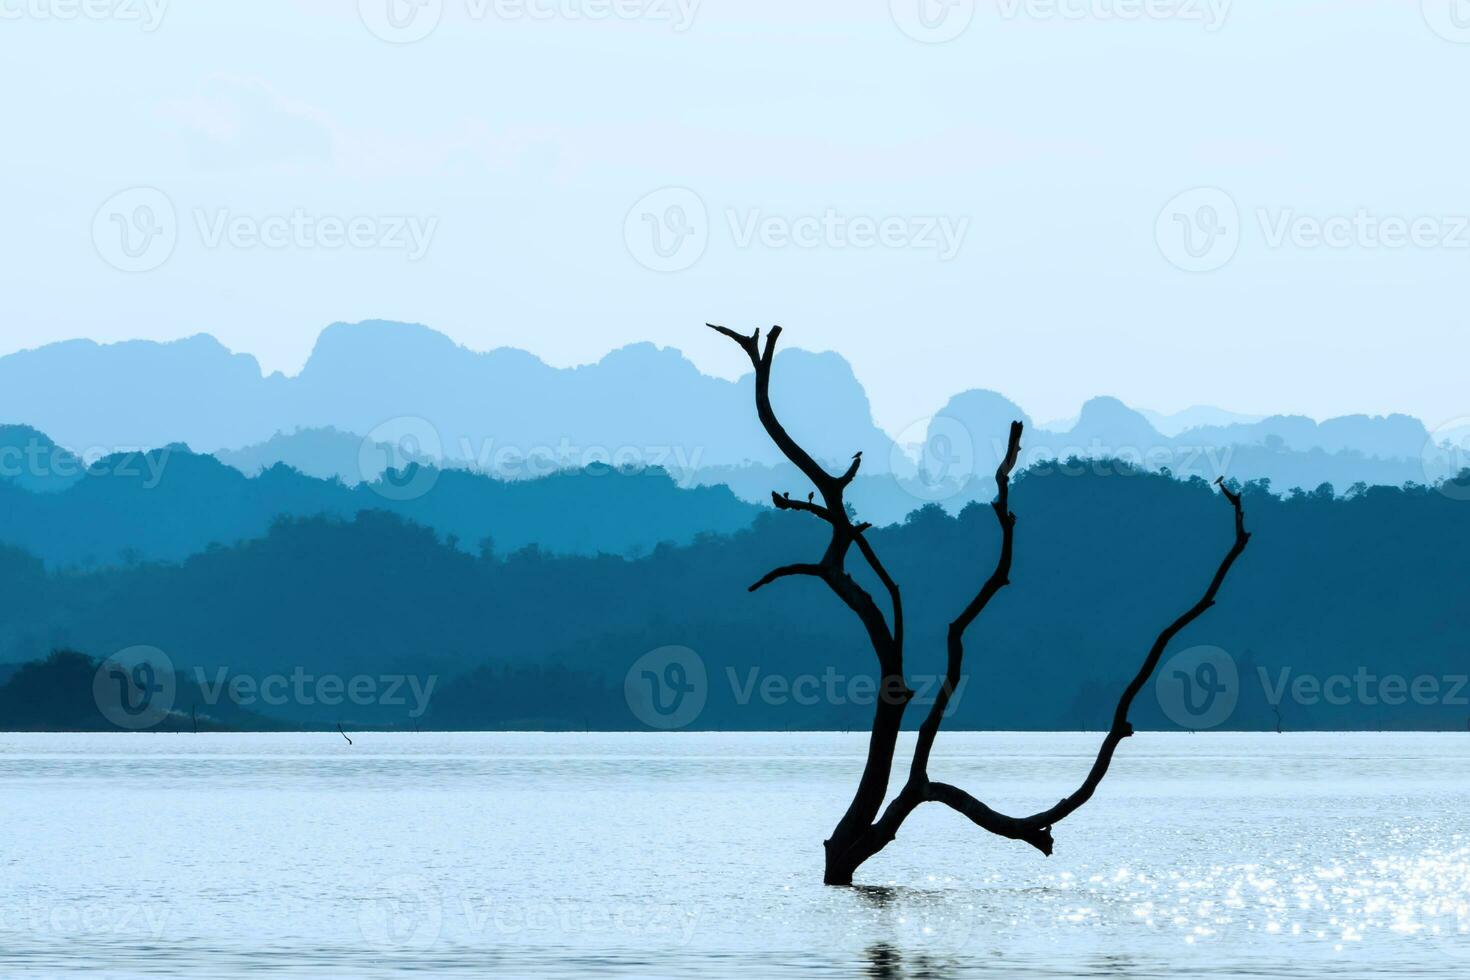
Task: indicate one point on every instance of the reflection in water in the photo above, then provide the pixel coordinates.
(885, 962)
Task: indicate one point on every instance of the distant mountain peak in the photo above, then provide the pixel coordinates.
(1105, 410)
(646, 354)
(379, 338)
(983, 399)
(1106, 406)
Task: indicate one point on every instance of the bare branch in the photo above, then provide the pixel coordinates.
(871, 557)
(929, 730)
(1036, 829)
(783, 501)
(786, 571)
(1121, 727)
(751, 344)
(825, 483)
(1007, 527)
(1038, 836)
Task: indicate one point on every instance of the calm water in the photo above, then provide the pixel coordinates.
(697, 854)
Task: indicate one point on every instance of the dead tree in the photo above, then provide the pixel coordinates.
(868, 826)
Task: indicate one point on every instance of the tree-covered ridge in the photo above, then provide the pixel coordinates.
(170, 503)
(1366, 583)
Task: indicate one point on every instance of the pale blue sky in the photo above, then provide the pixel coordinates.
(497, 159)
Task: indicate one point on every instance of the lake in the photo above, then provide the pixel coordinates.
(694, 854)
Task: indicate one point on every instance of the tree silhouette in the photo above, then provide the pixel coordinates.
(867, 826)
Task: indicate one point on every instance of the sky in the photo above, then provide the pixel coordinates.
(1257, 204)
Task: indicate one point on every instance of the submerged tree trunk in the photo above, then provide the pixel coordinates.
(868, 826)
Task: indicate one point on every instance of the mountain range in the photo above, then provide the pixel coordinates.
(376, 395)
(142, 395)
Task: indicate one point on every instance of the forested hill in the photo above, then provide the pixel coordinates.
(171, 503)
(1368, 584)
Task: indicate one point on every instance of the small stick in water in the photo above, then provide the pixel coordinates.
(344, 734)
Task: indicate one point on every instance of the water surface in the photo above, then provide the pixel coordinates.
(687, 854)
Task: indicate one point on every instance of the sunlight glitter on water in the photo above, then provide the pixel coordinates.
(1337, 905)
